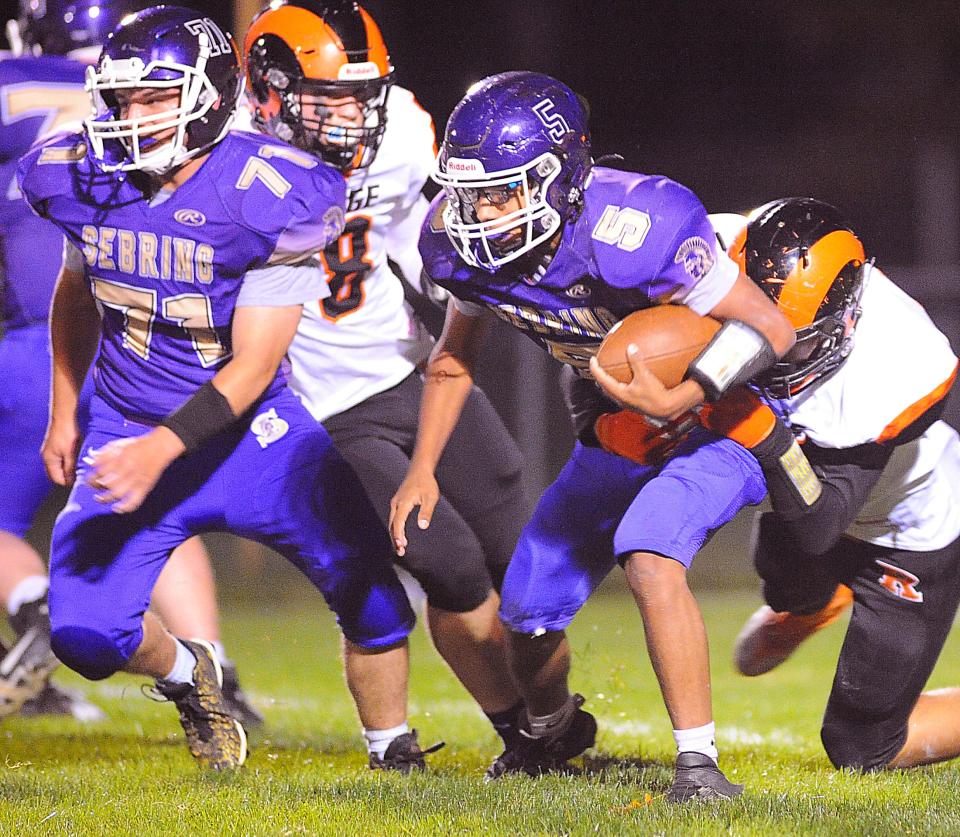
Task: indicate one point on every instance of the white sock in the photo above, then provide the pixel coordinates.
(556, 723)
(697, 740)
(220, 652)
(379, 739)
(183, 665)
(33, 587)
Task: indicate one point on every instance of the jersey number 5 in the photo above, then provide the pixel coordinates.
(347, 266)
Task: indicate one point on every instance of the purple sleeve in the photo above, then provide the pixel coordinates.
(695, 272)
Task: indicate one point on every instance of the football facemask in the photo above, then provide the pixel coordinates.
(493, 243)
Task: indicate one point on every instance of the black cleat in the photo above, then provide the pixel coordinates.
(547, 754)
(216, 739)
(58, 701)
(698, 777)
(26, 667)
(237, 702)
(403, 754)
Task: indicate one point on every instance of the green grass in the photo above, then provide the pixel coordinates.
(307, 774)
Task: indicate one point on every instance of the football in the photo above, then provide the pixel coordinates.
(669, 337)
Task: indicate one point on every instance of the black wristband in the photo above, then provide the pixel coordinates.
(792, 484)
(202, 415)
(735, 355)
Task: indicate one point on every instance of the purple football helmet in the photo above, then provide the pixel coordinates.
(77, 28)
(517, 133)
(165, 48)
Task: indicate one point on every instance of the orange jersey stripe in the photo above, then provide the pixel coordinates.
(914, 411)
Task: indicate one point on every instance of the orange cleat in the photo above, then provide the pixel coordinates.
(769, 637)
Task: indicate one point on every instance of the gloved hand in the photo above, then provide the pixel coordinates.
(740, 415)
(635, 437)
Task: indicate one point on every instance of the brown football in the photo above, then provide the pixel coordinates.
(669, 337)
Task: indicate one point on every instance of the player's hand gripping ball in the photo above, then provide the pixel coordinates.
(668, 338)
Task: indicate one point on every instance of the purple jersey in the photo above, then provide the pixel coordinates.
(166, 275)
(641, 240)
(37, 96)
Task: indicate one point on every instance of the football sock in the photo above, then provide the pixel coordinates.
(507, 722)
(33, 587)
(556, 723)
(697, 740)
(183, 665)
(379, 739)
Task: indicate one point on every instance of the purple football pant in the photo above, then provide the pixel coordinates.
(603, 507)
(286, 488)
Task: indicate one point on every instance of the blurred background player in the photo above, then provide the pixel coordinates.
(865, 385)
(320, 77)
(531, 230)
(190, 253)
(41, 92)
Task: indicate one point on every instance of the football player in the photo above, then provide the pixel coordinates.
(320, 77)
(864, 386)
(41, 91)
(530, 230)
(189, 254)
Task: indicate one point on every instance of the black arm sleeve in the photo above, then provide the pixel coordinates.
(847, 476)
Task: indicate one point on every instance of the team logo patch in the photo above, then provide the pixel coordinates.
(578, 291)
(332, 223)
(899, 583)
(268, 427)
(190, 217)
(696, 256)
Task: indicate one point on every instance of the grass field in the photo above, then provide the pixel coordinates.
(307, 774)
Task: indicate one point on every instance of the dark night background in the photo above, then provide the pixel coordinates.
(856, 102)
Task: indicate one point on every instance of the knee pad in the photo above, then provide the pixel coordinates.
(457, 587)
(88, 652)
(861, 746)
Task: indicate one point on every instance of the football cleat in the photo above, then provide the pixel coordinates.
(768, 637)
(26, 667)
(237, 702)
(216, 739)
(549, 753)
(58, 701)
(698, 777)
(403, 754)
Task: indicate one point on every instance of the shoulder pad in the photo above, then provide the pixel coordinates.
(50, 167)
(439, 257)
(270, 187)
(632, 222)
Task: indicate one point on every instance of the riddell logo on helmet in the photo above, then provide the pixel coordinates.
(458, 165)
(358, 72)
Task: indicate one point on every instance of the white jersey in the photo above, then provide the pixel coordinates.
(900, 366)
(364, 338)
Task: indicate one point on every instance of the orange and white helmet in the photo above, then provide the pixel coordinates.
(301, 55)
(807, 259)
